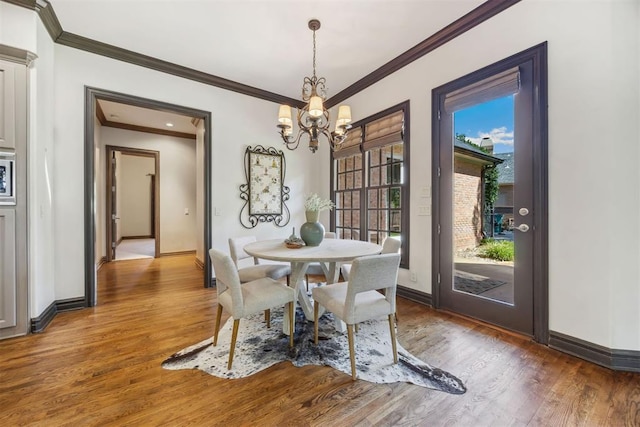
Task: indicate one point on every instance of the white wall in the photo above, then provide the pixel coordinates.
(40, 180)
(18, 27)
(594, 282)
(238, 121)
(135, 215)
(177, 180)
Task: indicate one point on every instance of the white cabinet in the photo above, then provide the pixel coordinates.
(14, 316)
(7, 105)
(7, 268)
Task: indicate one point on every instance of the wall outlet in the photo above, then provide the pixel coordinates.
(414, 277)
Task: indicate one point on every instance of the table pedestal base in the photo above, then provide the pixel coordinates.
(298, 270)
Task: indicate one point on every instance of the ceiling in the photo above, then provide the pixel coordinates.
(146, 118)
(265, 44)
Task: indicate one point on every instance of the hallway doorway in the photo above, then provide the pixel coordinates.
(132, 208)
(197, 212)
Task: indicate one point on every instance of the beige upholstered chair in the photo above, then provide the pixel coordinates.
(315, 268)
(242, 300)
(358, 300)
(257, 270)
(389, 246)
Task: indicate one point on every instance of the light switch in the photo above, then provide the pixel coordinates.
(424, 210)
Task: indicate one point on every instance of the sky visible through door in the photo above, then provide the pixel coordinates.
(483, 234)
(493, 119)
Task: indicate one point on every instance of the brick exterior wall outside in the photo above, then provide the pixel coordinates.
(467, 222)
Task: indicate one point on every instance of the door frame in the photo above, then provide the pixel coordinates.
(91, 96)
(538, 56)
(155, 220)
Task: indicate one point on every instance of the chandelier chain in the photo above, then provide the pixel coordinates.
(314, 54)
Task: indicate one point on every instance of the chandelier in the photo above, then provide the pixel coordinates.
(313, 118)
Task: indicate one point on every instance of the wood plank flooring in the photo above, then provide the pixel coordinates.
(101, 366)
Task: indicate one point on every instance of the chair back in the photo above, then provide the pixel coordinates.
(227, 279)
(236, 245)
(370, 273)
(390, 245)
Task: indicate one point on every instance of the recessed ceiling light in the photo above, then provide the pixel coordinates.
(114, 116)
(170, 125)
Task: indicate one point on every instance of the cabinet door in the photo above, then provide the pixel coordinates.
(7, 105)
(7, 268)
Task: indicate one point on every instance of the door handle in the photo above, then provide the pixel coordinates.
(522, 227)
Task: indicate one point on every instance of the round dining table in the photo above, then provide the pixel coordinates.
(330, 254)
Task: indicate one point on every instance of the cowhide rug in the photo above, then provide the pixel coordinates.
(258, 348)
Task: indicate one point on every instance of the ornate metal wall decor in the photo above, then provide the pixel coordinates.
(264, 193)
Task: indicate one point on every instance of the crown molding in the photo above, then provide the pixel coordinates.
(145, 129)
(137, 128)
(49, 18)
(29, 4)
(114, 52)
(477, 16)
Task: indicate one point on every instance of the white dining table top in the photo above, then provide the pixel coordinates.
(329, 250)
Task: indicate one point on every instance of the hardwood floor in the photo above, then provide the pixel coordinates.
(101, 366)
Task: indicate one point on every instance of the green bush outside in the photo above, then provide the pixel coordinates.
(500, 250)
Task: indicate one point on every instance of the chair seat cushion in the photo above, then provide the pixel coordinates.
(255, 272)
(368, 305)
(258, 295)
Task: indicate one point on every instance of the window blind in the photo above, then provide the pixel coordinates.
(351, 144)
(497, 86)
(384, 131)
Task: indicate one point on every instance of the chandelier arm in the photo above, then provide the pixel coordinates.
(291, 143)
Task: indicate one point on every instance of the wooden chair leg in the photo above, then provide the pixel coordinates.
(234, 335)
(291, 323)
(352, 352)
(392, 328)
(267, 317)
(315, 322)
(217, 325)
(357, 328)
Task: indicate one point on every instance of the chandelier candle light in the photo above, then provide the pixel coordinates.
(313, 118)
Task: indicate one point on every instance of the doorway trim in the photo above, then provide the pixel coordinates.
(155, 218)
(538, 56)
(91, 96)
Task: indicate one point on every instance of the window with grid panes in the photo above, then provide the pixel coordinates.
(370, 181)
